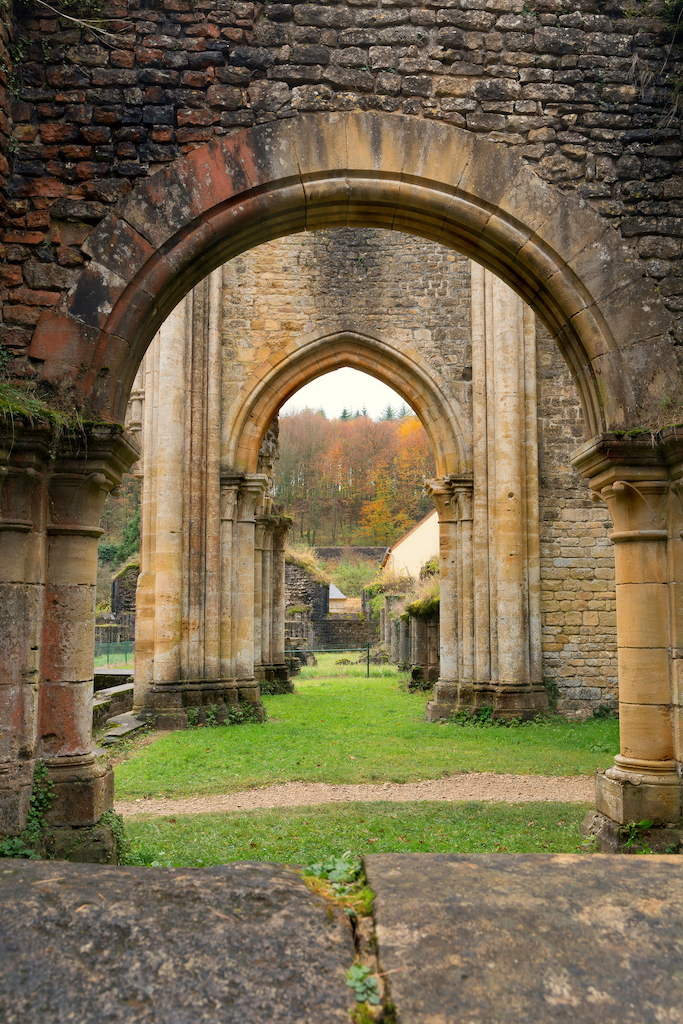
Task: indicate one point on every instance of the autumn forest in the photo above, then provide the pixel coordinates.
(352, 480)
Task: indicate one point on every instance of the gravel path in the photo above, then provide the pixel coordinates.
(472, 786)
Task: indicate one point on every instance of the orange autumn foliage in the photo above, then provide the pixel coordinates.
(352, 480)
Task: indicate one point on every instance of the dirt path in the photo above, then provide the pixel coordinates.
(472, 786)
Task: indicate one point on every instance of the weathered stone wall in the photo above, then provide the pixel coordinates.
(587, 98)
(370, 554)
(401, 286)
(123, 588)
(341, 631)
(6, 101)
(383, 283)
(577, 556)
(302, 591)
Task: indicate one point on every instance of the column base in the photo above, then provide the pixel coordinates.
(166, 705)
(277, 679)
(82, 791)
(609, 836)
(628, 796)
(90, 844)
(508, 700)
(16, 785)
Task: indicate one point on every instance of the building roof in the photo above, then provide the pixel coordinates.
(336, 594)
(405, 535)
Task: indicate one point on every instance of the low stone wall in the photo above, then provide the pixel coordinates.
(342, 631)
(124, 587)
(301, 590)
(371, 554)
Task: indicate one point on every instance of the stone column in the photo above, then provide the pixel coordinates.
(497, 576)
(251, 490)
(260, 528)
(87, 465)
(404, 643)
(395, 634)
(452, 497)
(168, 483)
(228, 598)
(442, 494)
(420, 656)
(24, 453)
(280, 670)
(633, 479)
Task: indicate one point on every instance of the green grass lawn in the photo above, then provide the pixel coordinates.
(304, 835)
(347, 729)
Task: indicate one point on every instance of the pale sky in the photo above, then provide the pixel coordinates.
(344, 389)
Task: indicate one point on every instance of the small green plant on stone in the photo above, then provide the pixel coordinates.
(27, 843)
(553, 693)
(192, 716)
(603, 711)
(337, 869)
(343, 880)
(364, 984)
(242, 712)
(632, 832)
(210, 715)
(114, 821)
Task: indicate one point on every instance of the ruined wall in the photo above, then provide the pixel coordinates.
(342, 631)
(586, 95)
(123, 588)
(578, 599)
(381, 282)
(302, 591)
(405, 287)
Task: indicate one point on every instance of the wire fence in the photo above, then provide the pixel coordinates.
(121, 652)
(337, 650)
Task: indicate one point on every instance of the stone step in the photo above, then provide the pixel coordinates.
(119, 726)
(533, 938)
(115, 700)
(105, 678)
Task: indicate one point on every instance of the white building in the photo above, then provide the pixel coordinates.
(416, 547)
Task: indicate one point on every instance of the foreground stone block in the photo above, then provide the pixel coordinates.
(498, 939)
(232, 944)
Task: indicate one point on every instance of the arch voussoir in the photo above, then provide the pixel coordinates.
(358, 169)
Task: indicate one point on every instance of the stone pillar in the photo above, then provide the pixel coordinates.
(442, 494)
(497, 575)
(404, 642)
(24, 453)
(229, 491)
(452, 497)
(395, 639)
(280, 669)
(87, 465)
(251, 490)
(419, 647)
(634, 480)
(260, 529)
(267, 599)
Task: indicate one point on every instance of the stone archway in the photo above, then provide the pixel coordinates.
(381, 170)
(373, 169)
(260, 397)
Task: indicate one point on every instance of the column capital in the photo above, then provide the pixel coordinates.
(88, 464)
(251, 490)
(452, 496)
(632, 475)
(282, 528)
